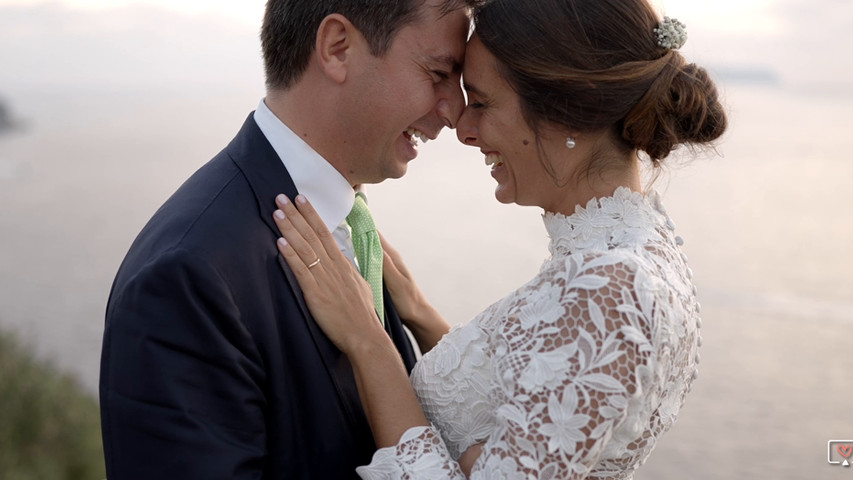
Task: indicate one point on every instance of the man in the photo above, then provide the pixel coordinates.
(211, 365)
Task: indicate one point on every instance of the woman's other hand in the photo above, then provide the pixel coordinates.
(469, 457)
(408, 299)
(426, 324)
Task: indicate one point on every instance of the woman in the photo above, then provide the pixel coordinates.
(577, 372)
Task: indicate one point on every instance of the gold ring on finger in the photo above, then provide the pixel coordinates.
(314, 263)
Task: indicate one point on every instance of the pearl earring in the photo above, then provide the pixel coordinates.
(570, 142)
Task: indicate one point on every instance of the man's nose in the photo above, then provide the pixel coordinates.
(451, 103)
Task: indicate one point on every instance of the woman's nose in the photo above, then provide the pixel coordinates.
(466, 130)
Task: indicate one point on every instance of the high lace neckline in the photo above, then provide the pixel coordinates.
(626, 218)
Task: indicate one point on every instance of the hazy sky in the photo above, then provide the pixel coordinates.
(722, 14)
(150, 42)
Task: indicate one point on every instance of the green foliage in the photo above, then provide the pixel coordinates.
(49, 426)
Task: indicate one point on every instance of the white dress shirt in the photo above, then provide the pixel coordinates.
(315, 178)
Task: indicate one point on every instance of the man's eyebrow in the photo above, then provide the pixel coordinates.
(455, 65)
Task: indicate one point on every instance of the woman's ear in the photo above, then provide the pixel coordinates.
(335, 40)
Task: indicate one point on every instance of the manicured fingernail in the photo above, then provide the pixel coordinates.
(282, 242)
(281, 199)
(300, 199)
(279, 214)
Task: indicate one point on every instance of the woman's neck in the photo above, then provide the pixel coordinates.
(598, 185)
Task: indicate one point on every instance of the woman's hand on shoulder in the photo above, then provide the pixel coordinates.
(339, 299)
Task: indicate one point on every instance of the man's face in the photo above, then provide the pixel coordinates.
(412, 91)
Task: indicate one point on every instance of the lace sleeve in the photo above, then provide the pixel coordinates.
(420, 454)
(572, 356)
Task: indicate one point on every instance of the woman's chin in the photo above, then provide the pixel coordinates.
(503, 196)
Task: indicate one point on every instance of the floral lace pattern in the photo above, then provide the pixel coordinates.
(576, 373)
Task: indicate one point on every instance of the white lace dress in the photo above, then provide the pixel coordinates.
(573, 375)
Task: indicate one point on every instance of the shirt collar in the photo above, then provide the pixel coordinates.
(315, 178)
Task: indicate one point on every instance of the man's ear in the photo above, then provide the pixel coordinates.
(334, 47)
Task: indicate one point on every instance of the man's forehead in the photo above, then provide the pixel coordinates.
(444, 7)
(433, 36)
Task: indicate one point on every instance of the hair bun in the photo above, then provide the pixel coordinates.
(696, 105)
(681, 107)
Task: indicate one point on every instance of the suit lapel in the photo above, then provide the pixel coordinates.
(268, 177)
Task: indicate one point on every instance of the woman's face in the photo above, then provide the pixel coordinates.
(493, 121)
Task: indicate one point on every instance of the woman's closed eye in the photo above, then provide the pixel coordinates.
(477, 100)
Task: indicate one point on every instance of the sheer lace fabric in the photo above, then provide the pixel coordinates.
(573, 375)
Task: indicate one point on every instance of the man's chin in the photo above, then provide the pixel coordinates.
(399, 170)
(388, 175)
(393, 177)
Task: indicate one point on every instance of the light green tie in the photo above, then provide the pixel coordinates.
(368, 250)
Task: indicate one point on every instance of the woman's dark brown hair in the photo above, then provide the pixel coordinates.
(594, 65)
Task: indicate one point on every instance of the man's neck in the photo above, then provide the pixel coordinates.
(304, 111)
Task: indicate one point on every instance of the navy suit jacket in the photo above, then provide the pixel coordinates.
(212, 367)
